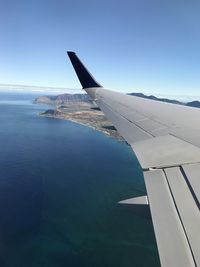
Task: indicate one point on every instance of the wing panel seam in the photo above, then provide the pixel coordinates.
(190, 187)
(180, 215)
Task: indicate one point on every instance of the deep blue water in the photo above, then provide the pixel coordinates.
(59, 187)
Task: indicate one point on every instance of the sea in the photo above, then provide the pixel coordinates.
(60, 184)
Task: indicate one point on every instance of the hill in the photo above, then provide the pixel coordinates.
(195, 104)
(62, 99)
(157, 98)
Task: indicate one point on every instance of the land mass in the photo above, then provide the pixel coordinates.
(81, 109)
(78, 108)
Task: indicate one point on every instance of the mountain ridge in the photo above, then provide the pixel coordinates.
(63, 99)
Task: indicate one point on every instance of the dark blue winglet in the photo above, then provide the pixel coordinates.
(85, 77)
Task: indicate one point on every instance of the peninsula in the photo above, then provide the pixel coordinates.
(78, 108)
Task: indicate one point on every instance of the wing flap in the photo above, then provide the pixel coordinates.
(192, 171)
(173, 246)
(187, 208)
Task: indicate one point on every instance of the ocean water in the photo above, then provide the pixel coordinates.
(59, 187)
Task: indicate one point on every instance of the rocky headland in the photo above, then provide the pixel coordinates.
(78, 108)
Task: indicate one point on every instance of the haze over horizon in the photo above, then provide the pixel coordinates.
(130, 46)
(47, 91)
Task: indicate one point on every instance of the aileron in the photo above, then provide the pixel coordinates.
(172, 243)
(187, 209)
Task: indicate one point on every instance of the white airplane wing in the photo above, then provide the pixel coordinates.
(166, 140)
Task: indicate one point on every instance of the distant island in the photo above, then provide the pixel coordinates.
(81, 109)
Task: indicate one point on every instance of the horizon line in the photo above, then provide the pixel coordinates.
(36, 86)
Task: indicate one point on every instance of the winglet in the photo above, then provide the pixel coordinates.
(85, 77)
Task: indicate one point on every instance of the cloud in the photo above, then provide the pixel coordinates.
(37, 89)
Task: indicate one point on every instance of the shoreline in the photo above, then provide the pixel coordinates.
(95, 126)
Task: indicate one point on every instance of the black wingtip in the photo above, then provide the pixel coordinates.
(70, 52)
(85, 77)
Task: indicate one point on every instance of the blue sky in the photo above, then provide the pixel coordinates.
(145, 45)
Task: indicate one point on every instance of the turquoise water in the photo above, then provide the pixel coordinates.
(59, 187)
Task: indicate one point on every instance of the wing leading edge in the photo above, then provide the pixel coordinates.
(165, 139)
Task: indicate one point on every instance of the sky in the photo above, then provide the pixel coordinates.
(149, 46)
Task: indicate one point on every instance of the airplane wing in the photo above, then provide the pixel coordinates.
(166, 140)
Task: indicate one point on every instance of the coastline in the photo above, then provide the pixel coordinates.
(96, 120)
